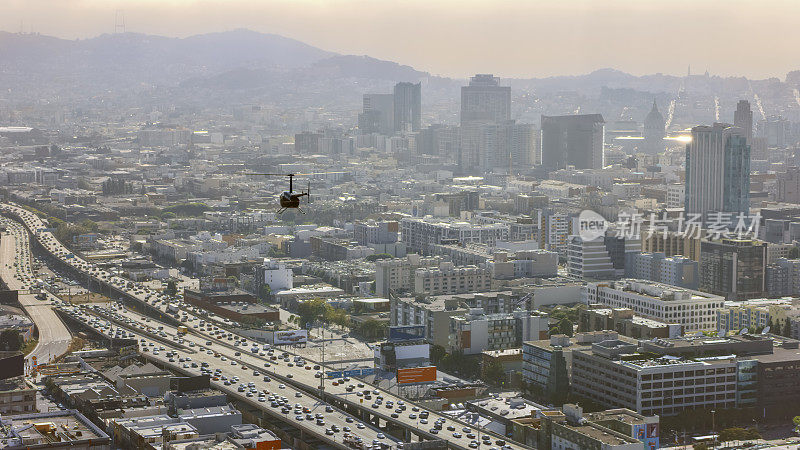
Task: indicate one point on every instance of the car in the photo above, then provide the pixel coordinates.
(395, 415)
(349, 419)
(457, 435)
(412, 416)
(329, 432)
(423, 421)
(381, 436)
(328, 408)
(473, 444)
(434, 431)
(360, 426)
(466, 429)
(298, 395)
(288, 375)
(470, 435)
(451, 428)
(281, 386)
(267, 379)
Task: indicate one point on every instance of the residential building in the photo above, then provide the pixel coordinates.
(476, 331)
(420, 234)
(407, 107)
(783, 278)
(575, 140)
(676, 196)
(625, 322)
(757, 314)
(675, 270)
(743, 118)
(733, 268)
(433, 313)
(694, 310)
(397, 274)
(274, 274)
(333, 249)
(672, 243)
(484, 100)
(788, 185)
(450, 279)
(718, 171)
(603, 257)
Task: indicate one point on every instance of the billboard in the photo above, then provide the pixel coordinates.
(290, 337)
(406, 332)
(416, 375)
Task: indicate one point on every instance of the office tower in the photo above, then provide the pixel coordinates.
(734, 268)
(743, 118)
(484, 100)
(378, 115)
(407, 107)
(575, 140)
(653, 132)
(717, 170)
(776, 130)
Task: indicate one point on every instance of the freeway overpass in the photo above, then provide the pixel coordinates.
(456, 433)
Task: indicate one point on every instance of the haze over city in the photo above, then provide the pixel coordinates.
(399, 225)
(512, 38)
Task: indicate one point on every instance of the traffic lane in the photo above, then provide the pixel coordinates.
(309, 381)
(336, 417)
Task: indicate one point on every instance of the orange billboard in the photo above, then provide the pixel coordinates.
(416, 375)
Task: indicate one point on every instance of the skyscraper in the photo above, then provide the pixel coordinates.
(378, 115)
(653, 131)
(575, 140)
(717, 170)
(407, 107)
(743, 118)
(484, 100)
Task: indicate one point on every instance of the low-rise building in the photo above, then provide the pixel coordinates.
(625, 322)
(45, 431)
(694, 310)
(449, 279)
(476, 331)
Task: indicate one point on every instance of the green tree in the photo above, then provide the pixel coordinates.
(378, 256)
(437, 352)
(11, 340)
(794, 253)
(172, 288)
(372, 329)
(563, 326)
(494, 374)
(787, 328)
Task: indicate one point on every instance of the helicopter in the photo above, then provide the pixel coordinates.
(290, 199)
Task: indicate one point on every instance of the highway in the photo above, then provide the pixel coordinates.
(435, 426)
(244, 383)
(16, 272)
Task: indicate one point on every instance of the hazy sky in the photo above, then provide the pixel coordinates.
(511, 38)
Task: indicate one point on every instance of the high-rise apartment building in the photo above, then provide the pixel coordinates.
(485, 101)
(743, 118)
(378, 115)
(718, 170)
(407, 107)
(575, 140)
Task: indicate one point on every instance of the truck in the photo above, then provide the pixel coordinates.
(183, 329)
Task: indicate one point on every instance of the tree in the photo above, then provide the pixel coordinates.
(494, 374)
(563, 326)
(787, 328)
(172, 288)
(796, 422)
(438, 352)
(794, 253)
(11, 340)
(378, 256)
(372, 329)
